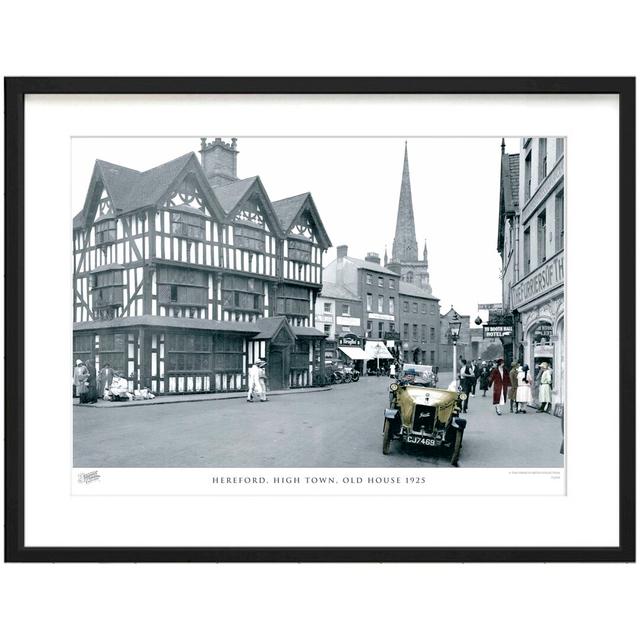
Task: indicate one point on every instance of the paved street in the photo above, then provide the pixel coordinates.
(340, 427)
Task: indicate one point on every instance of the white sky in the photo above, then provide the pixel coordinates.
(355, 183)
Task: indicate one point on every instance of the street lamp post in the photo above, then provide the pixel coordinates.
(454, 332)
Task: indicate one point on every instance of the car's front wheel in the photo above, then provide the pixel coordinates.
(386, 437)
(456, 448)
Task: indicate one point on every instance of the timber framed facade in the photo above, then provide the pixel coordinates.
(184, 275)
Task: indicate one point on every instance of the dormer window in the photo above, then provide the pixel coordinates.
(187, 225)
(105, 232)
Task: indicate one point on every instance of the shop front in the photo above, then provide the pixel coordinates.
(540, 328)
(350, 351)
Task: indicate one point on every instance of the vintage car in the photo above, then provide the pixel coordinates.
(419, 373)
(424, 416)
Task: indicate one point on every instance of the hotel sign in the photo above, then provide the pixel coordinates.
(545, 278)
(497, 330)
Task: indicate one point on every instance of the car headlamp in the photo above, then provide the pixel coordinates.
(393, 386)
(463, 396)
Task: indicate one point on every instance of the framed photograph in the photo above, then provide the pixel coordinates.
(320, 319)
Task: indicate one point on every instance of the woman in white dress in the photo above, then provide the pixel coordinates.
(523, 393)
(544, 391)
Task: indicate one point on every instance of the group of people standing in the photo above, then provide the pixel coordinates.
(513, 385)
(89, 386)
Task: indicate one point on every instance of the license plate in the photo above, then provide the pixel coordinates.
(429, 442)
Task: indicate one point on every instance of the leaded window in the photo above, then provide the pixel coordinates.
(242, 294)
(105, 232)
(188, 353)
(293, 301)
(299, 250)
(184, 287)
(249, 238)
(227, 354)
(187, 225)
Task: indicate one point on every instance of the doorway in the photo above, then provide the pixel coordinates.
(275, 369)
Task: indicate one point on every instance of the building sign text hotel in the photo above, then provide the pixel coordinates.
(545, 278)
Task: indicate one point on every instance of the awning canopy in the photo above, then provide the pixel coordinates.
(355, 353)
(375, 350)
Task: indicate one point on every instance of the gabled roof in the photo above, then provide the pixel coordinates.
(270, 327)
(451, 312)
(234, 194)
(408, 289)
(332, 290)
(290, 209)
(229, 195)
(131, 190)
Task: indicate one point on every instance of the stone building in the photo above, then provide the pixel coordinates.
(338, 316)
(376, 287)
(531, 243)
(419, 325)
(185, 274)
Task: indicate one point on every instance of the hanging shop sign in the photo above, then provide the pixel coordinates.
(350, 340)
(496, 306)
(497, 330)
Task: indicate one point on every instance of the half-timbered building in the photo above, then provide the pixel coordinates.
(184, 275)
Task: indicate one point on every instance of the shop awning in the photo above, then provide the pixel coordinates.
(355, 353)
(375, 350)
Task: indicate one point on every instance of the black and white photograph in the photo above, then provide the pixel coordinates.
(318, 302)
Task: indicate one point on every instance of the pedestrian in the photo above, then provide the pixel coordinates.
(484, 378)
(263, 381)
(80, 377)
(513, 381)
(523, 394)
(92, 394)
(544, 390)
(392, 370)
(476, 374)
(466, 382)
(254, 381)
(105, 378)
(500, 381)
(463, 364)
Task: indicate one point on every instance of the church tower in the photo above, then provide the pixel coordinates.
(404, 255)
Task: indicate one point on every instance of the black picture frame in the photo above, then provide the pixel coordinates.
(15, 91)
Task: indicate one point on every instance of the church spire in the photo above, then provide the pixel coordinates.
(424, 253)
(386, 259)
(405, 245)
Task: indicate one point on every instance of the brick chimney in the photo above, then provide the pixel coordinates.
(219, 161)
(372, 256)
(341, 254)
